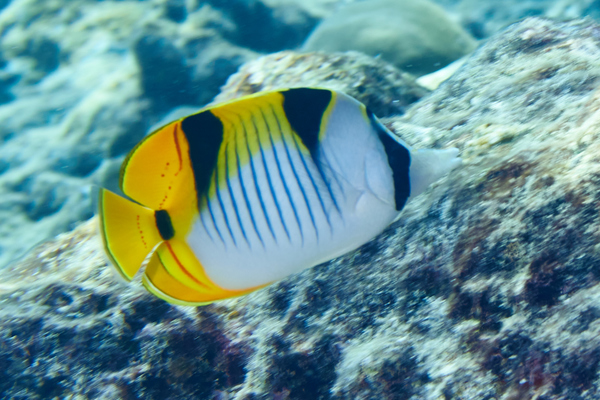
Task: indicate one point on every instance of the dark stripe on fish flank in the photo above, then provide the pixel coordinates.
(304, 109)
(253, 169)
(206, 227)
(204, 134)
(243, 185)
(225, 217)
(264, 161)
(285, 186)
(318, 164)
(289, 157)
(214, 220)
(335, 201)
(312, 181)
(398, 159)
(231, 196)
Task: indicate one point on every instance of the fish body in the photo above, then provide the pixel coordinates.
(245, 193)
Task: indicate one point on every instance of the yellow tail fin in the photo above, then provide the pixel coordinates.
(129, 232)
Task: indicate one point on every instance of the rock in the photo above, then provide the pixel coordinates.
(415, 36)
(379, 85)
(433, 80)
(487, 287)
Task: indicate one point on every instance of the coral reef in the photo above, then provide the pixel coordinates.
(486, 288)
(415, 36)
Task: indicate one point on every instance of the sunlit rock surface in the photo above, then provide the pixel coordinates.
(487, 288)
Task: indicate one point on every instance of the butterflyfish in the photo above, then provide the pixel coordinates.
(242, 194)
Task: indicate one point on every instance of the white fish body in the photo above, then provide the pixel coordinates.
(243, 194)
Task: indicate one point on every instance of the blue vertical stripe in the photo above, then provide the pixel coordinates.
(243, 186)
(287, 190)
(218, 192)
(287, 151)
(231, 196)
(264, 162)
(255, 179)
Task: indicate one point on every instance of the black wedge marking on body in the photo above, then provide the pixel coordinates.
(398, 159)
(285, 186)
(304, 109)
(225, 217)
(253, 169)
(164, 225)
(243, 185)
(304, 195)
(232, 197)
(204, 134)
(264, 161)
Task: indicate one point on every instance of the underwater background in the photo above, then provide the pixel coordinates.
(488, 287)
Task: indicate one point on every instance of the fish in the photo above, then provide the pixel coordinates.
(242, 194)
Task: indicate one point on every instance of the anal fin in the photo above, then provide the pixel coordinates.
(174, 274)
(160, 283)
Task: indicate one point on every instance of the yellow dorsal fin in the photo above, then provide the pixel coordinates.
(129, 232)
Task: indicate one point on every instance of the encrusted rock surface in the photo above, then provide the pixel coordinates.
(487, 288)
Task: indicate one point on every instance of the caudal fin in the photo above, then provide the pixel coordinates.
(429, 165)
(129, 232)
